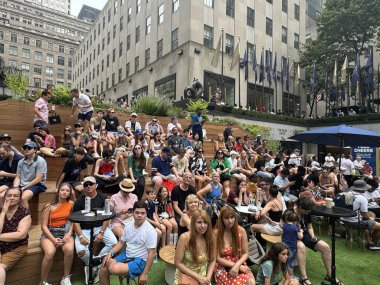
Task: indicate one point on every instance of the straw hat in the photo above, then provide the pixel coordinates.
(126, 185)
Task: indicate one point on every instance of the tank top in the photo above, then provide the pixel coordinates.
(46, 141)
(156, 146)
(182, 229)
(216, 192)
(60, 215)
(106, 168)
(275, 216)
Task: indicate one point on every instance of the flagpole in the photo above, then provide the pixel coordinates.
(294, 83)
(378, 87)
(275, 87)
(222, 83)
(299, 94)
(254, 94)
(312, 91)
(288, 104)
(262, 86)
(326, 88)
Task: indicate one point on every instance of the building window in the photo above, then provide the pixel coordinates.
(285, 6)
(1, 35)
(214, 85)
(104, 22)
(37, 69)
(97, 70)
(37, 82)
(120, 49)
(109, 15)
(98, 49)
(25, 53)
(50, 46)
(70, 62)
(137, 34)
(148, 26)
(61, 60)
(114, 31)
(114, 55)
(103, 43)
(128, 42)
(296, 41)
(69, 75)
(137, 64)
(50, 58)
(14, 38)
(1, 48)
(208, 36)
(251, 50)
(166, 87)
(175, 39)
(269, 27)
(39, 43)
(161, 9)
(129, 14)
(175, 5)
(229, 44)
(49, 71)
(26, 41)
(160, 47)
(230, 8)
(115, 7)
(108, 38)
(127, 69)
(120, 74)
(60, 73)
(270, 1)
(61, 48)
(37, 56)
(101, 87)
(209, 3)
(147, 57)
(284, 36)
(108, 60)
(296, 12)
(12, 63)
(107, 83)
(25, 66)
(138, 6)
(113, 79)
(121, 23)
(250, 17)
(71, 51)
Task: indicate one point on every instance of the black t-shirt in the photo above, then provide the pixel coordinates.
(73, 168)
(111, 124)
(31, 136)
(259, 163)
(180, 195)
(175, 142)
(298, 178)
(227, 132)
(97, 202)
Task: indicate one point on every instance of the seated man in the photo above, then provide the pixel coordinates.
(6, 138)
(8, 167)
(260, 165)
(101, 230)
(132, 125)
(31, 174)
(173, 124)
(283, 184)
(163, 169)
(140, 240)
(373, 197)
(74, 170)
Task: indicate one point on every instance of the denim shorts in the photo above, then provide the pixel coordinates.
(85, 117)
(37, 189)
(135, 267)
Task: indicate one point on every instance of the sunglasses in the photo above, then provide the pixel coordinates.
(6, 139)
(27, 148)
(78, 126)
(201, 151)
(88, 184)
(112, 112)
(67, 130)
(154, 121)
(219, 152)
(137, 147)
(134, 116)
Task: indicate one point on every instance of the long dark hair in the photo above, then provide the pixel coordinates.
(141, 159)
(55, 201)
(228, 212)
(272, 255)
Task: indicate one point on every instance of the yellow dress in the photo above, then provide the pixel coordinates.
(200, 268)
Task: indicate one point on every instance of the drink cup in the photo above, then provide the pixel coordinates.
(329, 202)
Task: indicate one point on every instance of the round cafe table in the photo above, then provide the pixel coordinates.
(80, 217)
(333, 213)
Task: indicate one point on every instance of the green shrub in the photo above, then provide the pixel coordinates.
(274, 145)
(4, 97)
(61, 96)
(152, 105)
(256, 130)
(178, 112)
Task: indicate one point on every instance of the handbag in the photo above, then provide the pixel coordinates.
(185, 279)
(54, 119)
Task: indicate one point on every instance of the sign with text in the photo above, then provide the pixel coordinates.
(368, 154)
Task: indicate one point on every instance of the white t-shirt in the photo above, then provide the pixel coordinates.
(329, 161)
(373, 195)
(171, 126)
(83, 99)
(139, 240)
(361, 204)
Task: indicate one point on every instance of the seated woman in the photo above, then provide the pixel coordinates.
(309, 191)
(235, 166)
(213, 190)
(136, 169)
(92, 146)
(65, 142)
(198, 167)
(106, 141)
(272, 213)
(240, 196)
(57, 232)
(219, 143)
(80, 139)
(140, 139)
(244, 165)
(222, 166)
(230, 143)
(156, 145)
(106, 173)
(195, 252)
(191, 205)
(232, 254)
(181, 163)
(46, 141)
(326, 183)
(15, 222)
(122, 203)
(196, 143)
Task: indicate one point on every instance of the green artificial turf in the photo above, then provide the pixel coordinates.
(353, 267)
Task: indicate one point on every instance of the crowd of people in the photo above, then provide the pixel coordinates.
(175, 210)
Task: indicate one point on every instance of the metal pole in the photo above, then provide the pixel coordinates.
(294, 83)
(222, 80)
(378, 86)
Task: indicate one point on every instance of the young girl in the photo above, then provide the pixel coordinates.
(164, 210)
(290, 235)
(273, 269)
(152, 217)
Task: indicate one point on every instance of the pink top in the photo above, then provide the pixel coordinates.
(119, 202)
(42, 106)
(46, 141)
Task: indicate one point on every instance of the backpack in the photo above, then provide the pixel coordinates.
(345, 200)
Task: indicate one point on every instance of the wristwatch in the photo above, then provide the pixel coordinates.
(81, 236)
(101, 232)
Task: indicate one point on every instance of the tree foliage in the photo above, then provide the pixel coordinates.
(17, 83)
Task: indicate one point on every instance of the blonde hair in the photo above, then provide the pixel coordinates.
(189, 199)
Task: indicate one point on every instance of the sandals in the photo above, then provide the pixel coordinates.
(338, 282)
(306, 281)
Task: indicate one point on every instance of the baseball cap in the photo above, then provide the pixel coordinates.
(173, 118)
(139, 132)
(134, 114)
(94, 134)
(89, 179)
(78, 124)
(30, 144)
(166, 149)
(5, 136)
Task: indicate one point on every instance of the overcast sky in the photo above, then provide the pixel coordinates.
(76, 5)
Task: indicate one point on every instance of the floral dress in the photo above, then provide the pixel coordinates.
(200, 268)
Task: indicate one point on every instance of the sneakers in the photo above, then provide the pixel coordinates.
(155, 259)
(66, 280)
(95, 273)
(46, 283)
(374, 246)
(86, 273)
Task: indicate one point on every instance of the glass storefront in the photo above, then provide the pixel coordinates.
(259, 98)
(219, 90)
(291, 104)
(166, 87)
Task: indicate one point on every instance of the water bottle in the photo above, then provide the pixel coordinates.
(87, 204)
(258, 204)
(250, 199)
(171, 239)
(107, 209)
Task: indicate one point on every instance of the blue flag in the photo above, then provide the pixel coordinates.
(287, 83)
(333, 93)
(245, 63)
(255, 64)
(313, 78)
(369, 68)
(275, 69)
(262, 73)
(282, 73)
(355, 74)
(268, 67)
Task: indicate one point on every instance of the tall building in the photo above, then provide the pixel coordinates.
(88, 13)
(39, 41)
(63, 6)
(159, 47)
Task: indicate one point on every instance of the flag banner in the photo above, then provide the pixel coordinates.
(262, 71)
(275, 69)
(320, 95)
(255, 63)
(333, 93)
(268, 67)
(287, 83)
(235, 57)
(282, 73)
(313, 78)
(298, 74)
(215, 58)
(355, 74)
(335, 73)
(344, 70)
(245, 63)
(369, 72)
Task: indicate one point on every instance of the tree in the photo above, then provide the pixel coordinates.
(345, 27)
(17, 83)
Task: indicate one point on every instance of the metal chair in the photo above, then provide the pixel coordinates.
(354, 233)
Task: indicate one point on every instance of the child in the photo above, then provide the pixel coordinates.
(152, 217)
(273, 269)
(291, 233)
(164, 210)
